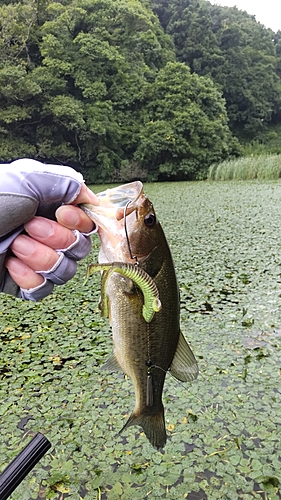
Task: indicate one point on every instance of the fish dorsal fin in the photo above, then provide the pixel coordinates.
(184, 365)
(112, 364)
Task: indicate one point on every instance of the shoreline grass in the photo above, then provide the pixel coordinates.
(263, 167)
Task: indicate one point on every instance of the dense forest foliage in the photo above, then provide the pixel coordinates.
(125, 89)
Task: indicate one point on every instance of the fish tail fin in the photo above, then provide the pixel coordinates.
(153, 425)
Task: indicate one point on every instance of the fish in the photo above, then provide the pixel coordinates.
(144, 349)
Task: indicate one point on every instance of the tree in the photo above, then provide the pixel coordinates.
(185, 126)
(93, 84)
(236, 51)
(79, 92)
(248, 76)
(103, 52)
(17, 88)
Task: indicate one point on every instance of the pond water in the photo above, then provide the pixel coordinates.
(224, 429)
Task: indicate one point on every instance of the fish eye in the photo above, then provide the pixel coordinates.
(150, 220)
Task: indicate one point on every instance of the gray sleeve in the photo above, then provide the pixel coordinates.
(15, 210)
(7, 285)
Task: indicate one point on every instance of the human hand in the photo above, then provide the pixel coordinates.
(37, 250)
(47, 254)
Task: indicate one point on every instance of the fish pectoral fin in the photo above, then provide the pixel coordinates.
(153, 425)
(112, 364)
(184, 365)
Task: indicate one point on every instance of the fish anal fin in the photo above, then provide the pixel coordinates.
(112, 364)
(153, 425)
(184, 365)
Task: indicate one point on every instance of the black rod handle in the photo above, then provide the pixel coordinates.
(22, 464)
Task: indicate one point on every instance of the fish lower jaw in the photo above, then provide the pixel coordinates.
(107, 256)
(117, 251)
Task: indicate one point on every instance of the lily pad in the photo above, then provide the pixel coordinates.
(224, 438)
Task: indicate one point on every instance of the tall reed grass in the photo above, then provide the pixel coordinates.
(250, 167)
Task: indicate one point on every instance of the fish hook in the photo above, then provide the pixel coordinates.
(127, 236)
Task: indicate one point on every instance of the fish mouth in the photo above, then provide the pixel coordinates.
(115, 205)
(115, 200)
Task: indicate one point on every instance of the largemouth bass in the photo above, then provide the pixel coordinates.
(143, 349)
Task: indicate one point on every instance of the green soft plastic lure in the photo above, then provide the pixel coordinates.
(145, 283)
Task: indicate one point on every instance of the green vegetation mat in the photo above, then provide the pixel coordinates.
(224, 429)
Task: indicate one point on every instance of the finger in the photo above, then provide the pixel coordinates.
(33, 253)
(73, 243)
(86, 196)
(73, 217)
(22, 274)
(49, 232)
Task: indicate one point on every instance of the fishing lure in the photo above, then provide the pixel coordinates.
(141, 278)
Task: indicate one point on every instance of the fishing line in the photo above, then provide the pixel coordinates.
(133, 257)
(149, 386)
(159, 368)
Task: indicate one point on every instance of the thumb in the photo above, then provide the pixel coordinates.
(86, 196)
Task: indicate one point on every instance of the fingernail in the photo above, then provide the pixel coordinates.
(68, 217)
(23, 245)
(16, 266)
(39, 227)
